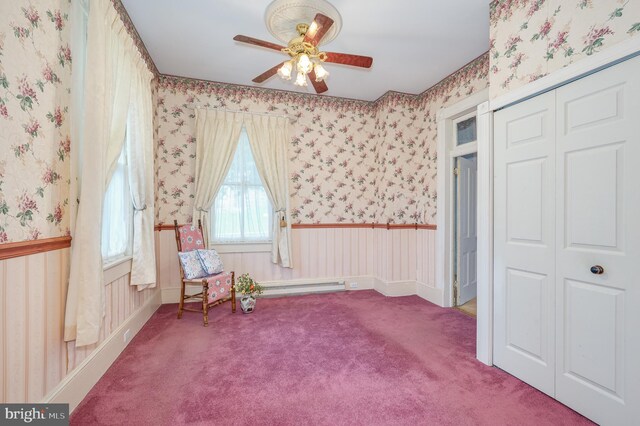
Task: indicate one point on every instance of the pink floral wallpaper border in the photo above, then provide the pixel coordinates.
(133, 33)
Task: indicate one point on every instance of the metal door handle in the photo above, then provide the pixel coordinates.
(597, 269)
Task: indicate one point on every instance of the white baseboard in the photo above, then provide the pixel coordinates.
(395, 288)
(170, 295)
(432, 294)
(364, 282)
(75, 386)
(387, 288)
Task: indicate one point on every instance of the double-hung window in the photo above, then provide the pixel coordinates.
(117, 213)
(242, 212)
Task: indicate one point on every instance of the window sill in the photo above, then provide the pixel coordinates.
(242, 247)
(116, 268)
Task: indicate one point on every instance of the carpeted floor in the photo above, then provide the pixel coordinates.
(352, 358)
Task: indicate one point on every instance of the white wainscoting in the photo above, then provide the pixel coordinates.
(34, 359)
(395, 262)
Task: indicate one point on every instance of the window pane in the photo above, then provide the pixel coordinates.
(257, 214)
(466, 131)
(228, 214)
(116, 213)
(242, 211)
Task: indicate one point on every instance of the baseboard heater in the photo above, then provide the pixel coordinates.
(296, 289)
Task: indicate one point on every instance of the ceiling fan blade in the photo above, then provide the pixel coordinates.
(318, 29)
(320, 86)
(347, 59)
(256, 42)
(267, 74)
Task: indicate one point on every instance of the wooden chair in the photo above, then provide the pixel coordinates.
(216, 289)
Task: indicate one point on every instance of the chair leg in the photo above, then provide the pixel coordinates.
(205, 303)
(181, 303)
(233, 292)
(233, 300)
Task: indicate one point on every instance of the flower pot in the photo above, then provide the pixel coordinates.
(248, 304)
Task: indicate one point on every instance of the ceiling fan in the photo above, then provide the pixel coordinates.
(305, 55)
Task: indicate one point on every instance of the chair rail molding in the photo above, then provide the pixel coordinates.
(25, 248)
(389, 226)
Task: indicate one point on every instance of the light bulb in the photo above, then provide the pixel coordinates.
(321, 73)
(285, 70)
(301, 80)
(304, 64)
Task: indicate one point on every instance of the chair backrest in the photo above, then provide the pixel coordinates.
(188, 237)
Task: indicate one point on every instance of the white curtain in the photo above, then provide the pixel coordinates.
(268, 137)
(140, 155)
(110, 70)
(217, 135)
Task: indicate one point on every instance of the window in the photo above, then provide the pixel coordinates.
(465, 129)
(117, 214)
(242, 211)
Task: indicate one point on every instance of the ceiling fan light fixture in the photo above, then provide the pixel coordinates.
(321, 72)
(285, 70)
(304, 64)
(301, 80)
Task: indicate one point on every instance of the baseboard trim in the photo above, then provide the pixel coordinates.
(365, 282)
(395, 288)
(430, 293)
(386, 288)
(77, 384)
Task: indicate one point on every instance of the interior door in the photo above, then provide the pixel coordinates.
(598, 224)
(524, 241)
(466, 228)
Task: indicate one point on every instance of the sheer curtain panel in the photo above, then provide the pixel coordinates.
(111, 59)
(140, 153)
(217, 135)
(268, 137)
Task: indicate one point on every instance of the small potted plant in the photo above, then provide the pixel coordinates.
(248, 288)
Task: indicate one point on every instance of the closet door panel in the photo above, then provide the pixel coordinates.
(524, 241)
(598, 217)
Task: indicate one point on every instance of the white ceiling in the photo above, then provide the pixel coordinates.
(414, 43)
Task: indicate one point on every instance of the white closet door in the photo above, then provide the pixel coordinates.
(598, 224)
(524, 241)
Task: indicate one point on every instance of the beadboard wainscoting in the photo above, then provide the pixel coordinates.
(35, 363)
(396, 261)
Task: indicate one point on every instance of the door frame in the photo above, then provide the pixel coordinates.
(446, 183)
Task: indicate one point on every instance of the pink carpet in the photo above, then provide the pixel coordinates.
(354, 358)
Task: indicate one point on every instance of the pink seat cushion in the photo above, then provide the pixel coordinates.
(190, 238)
(219, 286)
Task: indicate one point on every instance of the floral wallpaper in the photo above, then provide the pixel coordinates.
(35, 76)
(350, 161)
(533, 38)
(407, 157)
(331, 150)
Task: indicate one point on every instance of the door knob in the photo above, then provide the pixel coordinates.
(597, 269)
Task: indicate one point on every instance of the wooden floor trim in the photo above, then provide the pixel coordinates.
(26, 248)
